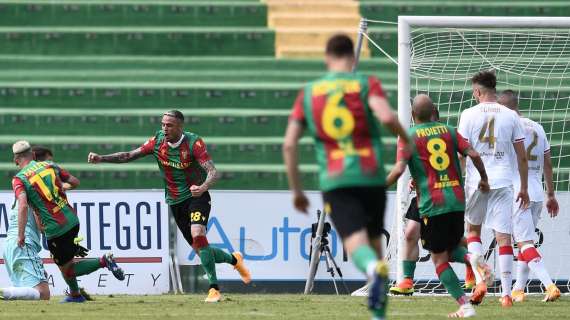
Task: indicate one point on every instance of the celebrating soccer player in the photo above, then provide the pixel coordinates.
(434, 166)
(496, 133)
(188, 172)
(341, 110)
(525, 220)
(42, 186)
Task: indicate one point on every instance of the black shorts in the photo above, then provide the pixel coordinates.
(413, 212)
(63, 248)
(192, 211)
(442, 232)
(356, 208)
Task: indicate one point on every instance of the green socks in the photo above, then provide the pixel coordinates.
(449, 279)
(86, 266)
(459, 255)
(220, 256)
(72, 283)
(363, 256)
(409, 267)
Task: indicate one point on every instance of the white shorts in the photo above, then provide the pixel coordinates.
(494, 209)
(524, 221)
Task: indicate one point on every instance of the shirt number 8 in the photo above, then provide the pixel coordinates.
(438, 159)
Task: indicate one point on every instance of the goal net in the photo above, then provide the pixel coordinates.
(439, 55)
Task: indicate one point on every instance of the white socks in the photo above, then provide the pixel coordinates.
(522, 275)
(532, 257)
(21, 293)
(506, 267)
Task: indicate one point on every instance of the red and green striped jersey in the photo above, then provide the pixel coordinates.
(42, 183)
(179, 163)
(346, 133)
(434, 166)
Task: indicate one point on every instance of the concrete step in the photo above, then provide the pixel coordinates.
(300, 7)
(298, 52)
(287, 20)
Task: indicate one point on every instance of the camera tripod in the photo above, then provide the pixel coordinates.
(319, 248)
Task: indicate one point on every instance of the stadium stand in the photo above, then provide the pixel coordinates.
(81, 76)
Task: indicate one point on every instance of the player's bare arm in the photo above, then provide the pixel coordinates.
(71, 183)
(523, 172)
(387, 117)
(22, 218)
(396, 172)
(211, 178)
(551, 202)
(478, 163)
(118, 157)
(290, 156)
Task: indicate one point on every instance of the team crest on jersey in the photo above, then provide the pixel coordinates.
(184, 155)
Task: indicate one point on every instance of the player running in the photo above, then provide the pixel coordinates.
(526, 220)
(434, 166)
(40, 185)
(189, 173)
(496, 133)
(340, 112)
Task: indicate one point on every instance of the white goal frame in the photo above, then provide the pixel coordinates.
(404, 79)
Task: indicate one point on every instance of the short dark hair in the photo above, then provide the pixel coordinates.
(41, 153)
(176, 114)
(510, 99)
(486, 78)
(340, 46)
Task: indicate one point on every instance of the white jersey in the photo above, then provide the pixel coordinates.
(536, 145)
(491, 129)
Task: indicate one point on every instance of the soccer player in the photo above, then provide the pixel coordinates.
(340, 110)
(189, 173)
(434, 166)
(40, 185)
(496, 133)
(525, 220)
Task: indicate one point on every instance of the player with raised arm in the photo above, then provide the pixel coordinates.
(42, 185)
(525, 220)
(434, 166)
(189, 173)
(341, 111)
(496, 133)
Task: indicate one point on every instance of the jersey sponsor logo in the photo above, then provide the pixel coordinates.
(176, 165)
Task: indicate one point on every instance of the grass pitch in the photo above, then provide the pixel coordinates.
(270, 306)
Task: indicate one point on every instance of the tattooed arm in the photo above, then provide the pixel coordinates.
(212, 176)
(119, 157)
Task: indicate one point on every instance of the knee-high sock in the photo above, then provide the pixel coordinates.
(20, 293)
(474, 245)
(87, 266)
(449, 279)
(365, 259)
(220, 256)
(409, 267)
(531, 255)
(522, 273)
(506, 267)
(209, 265)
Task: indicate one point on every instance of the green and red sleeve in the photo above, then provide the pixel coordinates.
(148, 147)
(375, 87)
(298, 112)
(200, 152)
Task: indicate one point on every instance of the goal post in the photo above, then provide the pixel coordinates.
(438, 55)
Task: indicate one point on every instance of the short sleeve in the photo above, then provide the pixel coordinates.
(148, 146)
(375, 88)
(518, 131)
(463, 128)
(401, 154)
(18, 186)
(298, 112)
(462, 144)
(63, 174)
(200, 152)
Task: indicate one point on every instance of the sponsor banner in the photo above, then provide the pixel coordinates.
(275, 239)
(133, 225)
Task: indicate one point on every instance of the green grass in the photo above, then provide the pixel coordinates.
(270, 306)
